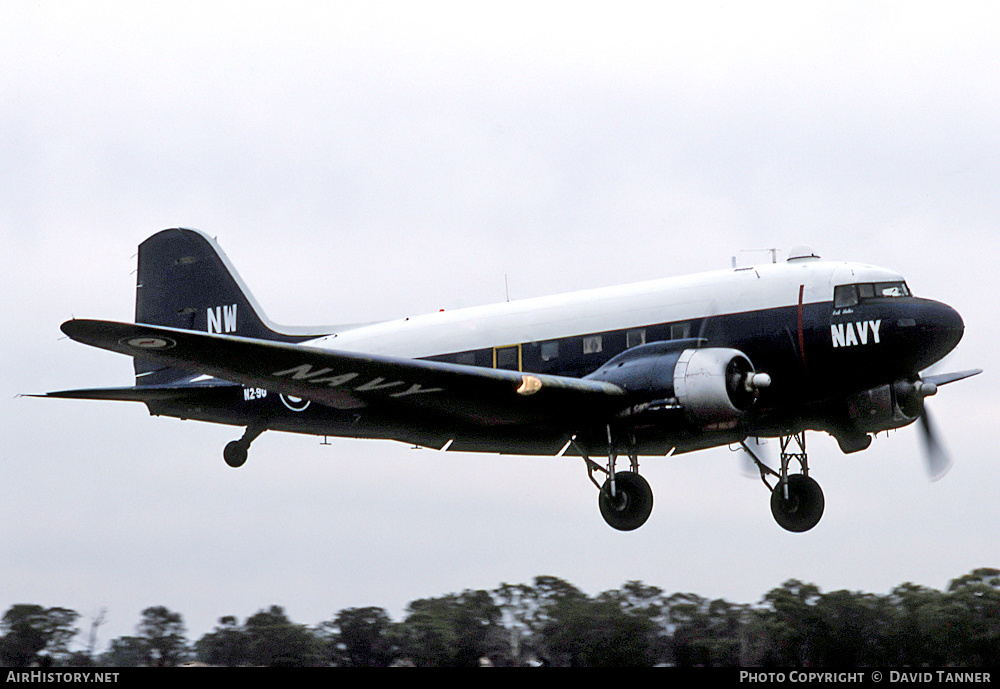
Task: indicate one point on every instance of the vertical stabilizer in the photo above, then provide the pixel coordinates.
(185, 281)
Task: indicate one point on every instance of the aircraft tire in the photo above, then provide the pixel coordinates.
(804, 506)
(235, 454)
(631, 506)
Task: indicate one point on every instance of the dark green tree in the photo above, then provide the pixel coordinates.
(361, 637)
(227, 645)
(975, 599)
(785, 628)
(456, 630)
(125, 651)
(274, 640)
(703, 632)
(921, 623)
(31, 629)
(855, 630)
(582, 632)
(162, 632)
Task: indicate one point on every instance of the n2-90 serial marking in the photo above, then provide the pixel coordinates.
(254, 394)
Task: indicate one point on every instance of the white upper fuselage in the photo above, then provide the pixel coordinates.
(666, 300)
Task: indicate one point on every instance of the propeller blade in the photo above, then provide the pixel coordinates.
(945, 378)
(935, 456)
(705, 330)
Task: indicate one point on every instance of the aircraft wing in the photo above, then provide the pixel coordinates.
(348, 380)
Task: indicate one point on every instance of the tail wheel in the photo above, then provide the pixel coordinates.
(631, 504)
(235, 454)
(802, 508)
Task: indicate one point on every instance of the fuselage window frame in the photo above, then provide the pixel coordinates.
(508, 358)
(634, 338)
(680, 331)
(845, 296)
(593, 344)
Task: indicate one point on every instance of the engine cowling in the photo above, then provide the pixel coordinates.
(713, 385)
(888, 406)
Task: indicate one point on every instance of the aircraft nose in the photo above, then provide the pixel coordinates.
(943, 328)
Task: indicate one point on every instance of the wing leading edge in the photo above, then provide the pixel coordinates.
(347, 380)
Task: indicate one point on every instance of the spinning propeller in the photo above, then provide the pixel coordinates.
(936, 458)
(910, 396)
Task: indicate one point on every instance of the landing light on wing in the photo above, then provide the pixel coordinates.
(529, 385)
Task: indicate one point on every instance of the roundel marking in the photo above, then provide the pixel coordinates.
(148, 342)
(295, 403)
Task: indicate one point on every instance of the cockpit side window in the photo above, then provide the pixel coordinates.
(891, 289)
(845, 295)
(849, 295)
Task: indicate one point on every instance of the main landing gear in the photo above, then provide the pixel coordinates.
(235, 453)
(796, 499)
(625, 499)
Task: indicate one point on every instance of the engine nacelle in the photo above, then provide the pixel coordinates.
(713, 385)
(888, 406)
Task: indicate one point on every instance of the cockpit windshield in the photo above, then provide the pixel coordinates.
(850, 295)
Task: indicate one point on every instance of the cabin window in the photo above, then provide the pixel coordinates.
(680, 331)
(466, 358)
(634, 338)
(550, 350)
(592, 344)
(508, 358)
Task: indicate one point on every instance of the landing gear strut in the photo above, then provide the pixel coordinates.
(235, 453)
(625, 499)
(796, 500)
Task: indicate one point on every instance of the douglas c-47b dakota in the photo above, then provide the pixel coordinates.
(653, 368)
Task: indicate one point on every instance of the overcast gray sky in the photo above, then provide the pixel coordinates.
(360, 161)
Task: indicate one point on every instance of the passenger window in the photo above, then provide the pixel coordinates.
(634, 338)
(592, 344)
(845, 295)
(508, 358)
(550, 350)
(680, 331)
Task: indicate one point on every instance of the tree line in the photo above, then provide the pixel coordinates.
(551, 622)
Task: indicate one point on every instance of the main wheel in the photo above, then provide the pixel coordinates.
(802, 509)
(235, 454)
(633, 501)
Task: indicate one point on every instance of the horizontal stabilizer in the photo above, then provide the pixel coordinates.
(149, 393)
